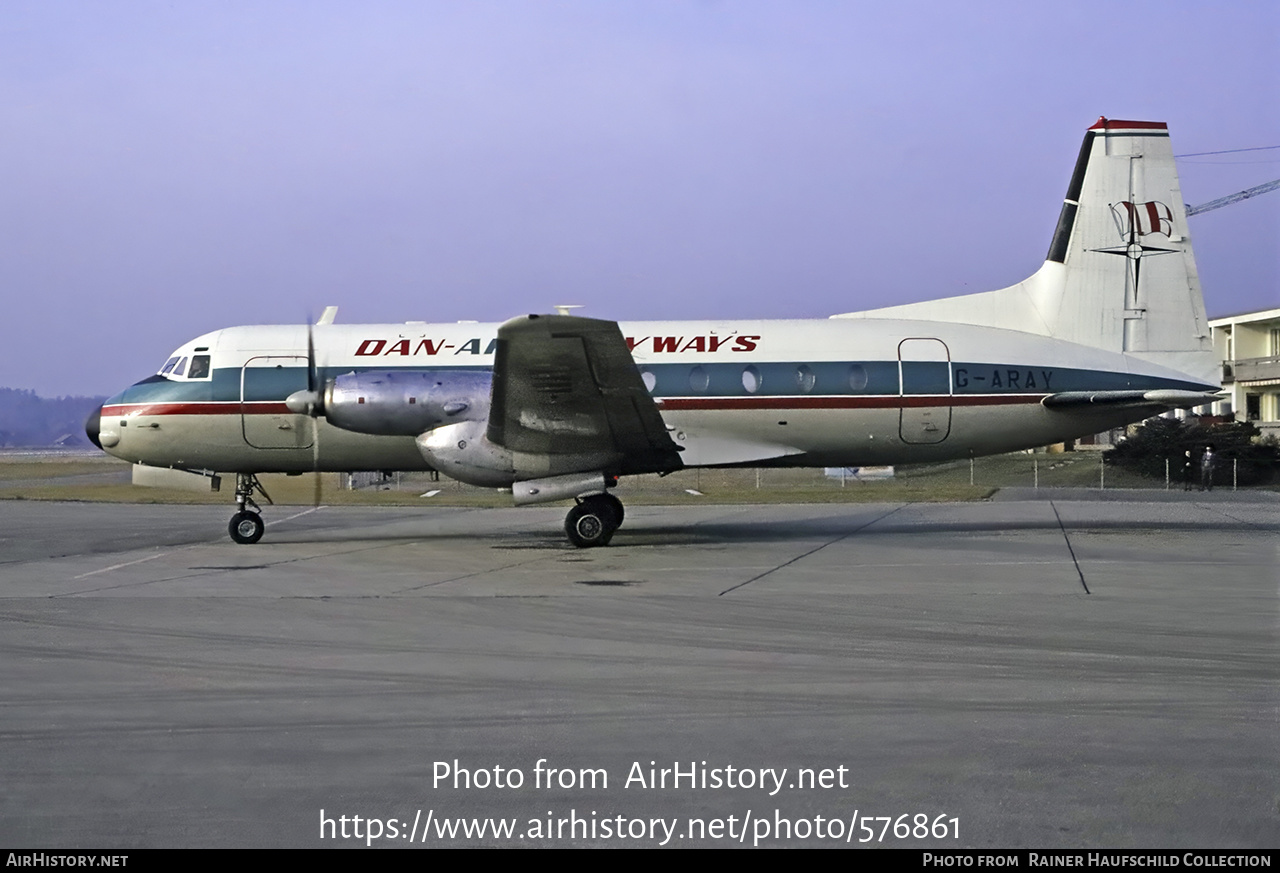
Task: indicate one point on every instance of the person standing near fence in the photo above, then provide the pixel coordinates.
(1207, 461)
(1188, 470)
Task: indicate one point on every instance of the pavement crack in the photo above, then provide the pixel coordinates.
(1062, 527)
(1221, 511)
(819, 548)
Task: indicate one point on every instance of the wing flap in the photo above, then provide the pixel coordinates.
(710, 449)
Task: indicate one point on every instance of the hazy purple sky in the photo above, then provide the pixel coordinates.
(171, 168)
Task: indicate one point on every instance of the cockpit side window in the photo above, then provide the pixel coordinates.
(168, 365)
(180, 368)
(199, 367)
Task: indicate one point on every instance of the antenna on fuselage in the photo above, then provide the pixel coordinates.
(329, 315)
(563, 308)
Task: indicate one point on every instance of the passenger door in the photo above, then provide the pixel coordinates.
(925, 386)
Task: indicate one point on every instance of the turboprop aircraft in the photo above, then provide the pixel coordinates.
(1110, 330)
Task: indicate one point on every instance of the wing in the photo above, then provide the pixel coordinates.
(564, 385)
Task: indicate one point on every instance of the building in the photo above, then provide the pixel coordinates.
(1249, 347)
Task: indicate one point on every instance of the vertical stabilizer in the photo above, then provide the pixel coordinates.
(1120, 274)
(1129, 281)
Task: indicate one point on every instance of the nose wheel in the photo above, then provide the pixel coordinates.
(246, 526)
(593, 520)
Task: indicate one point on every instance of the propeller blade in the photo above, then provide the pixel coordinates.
(318, 483)
(309, 401)
(312, 375)
(315, 409)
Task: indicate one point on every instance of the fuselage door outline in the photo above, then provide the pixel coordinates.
(271, 428)
(924, 375)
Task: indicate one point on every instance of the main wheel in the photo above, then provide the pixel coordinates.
(246, 527)
(591, 523)
(615, 504)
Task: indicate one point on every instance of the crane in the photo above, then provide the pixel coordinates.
(1234, 198)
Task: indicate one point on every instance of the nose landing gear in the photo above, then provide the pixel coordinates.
(246, 525)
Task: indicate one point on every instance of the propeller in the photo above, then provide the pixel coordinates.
(316, 409)
(310, 402)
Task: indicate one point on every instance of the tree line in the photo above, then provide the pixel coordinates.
(26, 419)
(1239, 448)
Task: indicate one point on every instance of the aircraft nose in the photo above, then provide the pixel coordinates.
(93, 427)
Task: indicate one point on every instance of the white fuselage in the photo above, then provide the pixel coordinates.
(831, 392)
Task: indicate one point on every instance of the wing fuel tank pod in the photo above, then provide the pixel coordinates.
(399, 403)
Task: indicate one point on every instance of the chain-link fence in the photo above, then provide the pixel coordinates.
(960, 479)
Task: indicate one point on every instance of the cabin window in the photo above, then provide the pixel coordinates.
(751, 380)
(199, 367)
(805, 379)
(699, 379)
(168, 365)
(858, 377)
(180, 368)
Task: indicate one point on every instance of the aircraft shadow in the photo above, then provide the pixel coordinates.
(654, 533)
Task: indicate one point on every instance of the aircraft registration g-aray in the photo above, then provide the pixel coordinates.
(1110, 330)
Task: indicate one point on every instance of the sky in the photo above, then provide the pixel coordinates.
(169, 168)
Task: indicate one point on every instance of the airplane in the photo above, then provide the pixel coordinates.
(1110, 330)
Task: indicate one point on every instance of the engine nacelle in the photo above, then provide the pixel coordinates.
(406, 403)
(462, 451)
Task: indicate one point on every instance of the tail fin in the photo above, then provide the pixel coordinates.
(1120, 274)
(1130, 282)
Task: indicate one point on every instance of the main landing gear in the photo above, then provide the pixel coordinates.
(593, 520)
(246, 525)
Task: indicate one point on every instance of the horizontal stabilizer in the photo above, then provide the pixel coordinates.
(1169, 399)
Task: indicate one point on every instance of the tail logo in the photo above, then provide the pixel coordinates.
(1140, 219)
(1133, 222)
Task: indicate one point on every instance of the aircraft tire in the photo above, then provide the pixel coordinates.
(616, 505)
(246, 527)
(591, 523)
